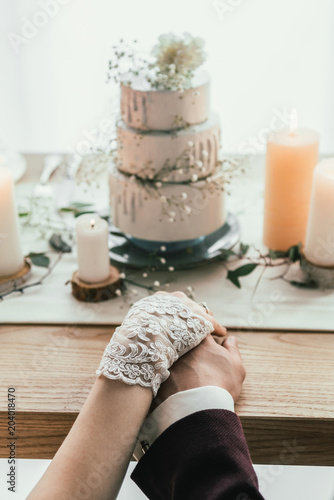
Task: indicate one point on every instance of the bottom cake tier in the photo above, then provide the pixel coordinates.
(166, 213)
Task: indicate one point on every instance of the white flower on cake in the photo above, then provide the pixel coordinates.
(179, 54)
(169, 66)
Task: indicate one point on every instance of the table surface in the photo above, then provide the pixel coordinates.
(286, 406)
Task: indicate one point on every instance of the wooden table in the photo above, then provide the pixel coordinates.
(286, 406)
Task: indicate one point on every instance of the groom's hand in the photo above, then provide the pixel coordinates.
(208, 364)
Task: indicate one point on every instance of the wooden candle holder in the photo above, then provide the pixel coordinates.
(15, 280)
(323, 276)
(96, 292)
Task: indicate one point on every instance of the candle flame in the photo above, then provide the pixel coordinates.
(293, 121)
(92, 223)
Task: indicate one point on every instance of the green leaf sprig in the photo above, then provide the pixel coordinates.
(39, 259)
(244, 270)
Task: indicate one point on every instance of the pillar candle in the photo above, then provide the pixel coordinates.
(11, 257)
(319, 245)
(292, 155)
(92, 248)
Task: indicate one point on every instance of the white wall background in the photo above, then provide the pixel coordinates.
(263, 55)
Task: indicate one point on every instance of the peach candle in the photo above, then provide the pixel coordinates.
(291, 158)
(319, 246)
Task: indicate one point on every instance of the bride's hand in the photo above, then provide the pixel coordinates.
(155, 333)
(197, 308)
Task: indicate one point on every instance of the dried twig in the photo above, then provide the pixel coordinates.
(22, 288)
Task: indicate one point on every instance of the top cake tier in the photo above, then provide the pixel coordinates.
(145, 108)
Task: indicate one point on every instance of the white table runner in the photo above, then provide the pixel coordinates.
(275, 305)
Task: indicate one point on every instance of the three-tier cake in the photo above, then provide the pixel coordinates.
(166, 186)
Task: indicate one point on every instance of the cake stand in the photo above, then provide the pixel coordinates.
(124, 252)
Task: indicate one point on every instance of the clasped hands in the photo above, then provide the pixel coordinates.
(160, 329)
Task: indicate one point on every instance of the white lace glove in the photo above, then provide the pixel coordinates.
(155, 333)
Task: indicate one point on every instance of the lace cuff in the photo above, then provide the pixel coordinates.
(155, 333)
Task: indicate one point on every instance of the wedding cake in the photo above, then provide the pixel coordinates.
(166, 185)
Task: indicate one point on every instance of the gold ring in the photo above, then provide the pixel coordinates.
(204, 304)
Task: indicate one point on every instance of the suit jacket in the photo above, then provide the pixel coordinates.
(203, 456)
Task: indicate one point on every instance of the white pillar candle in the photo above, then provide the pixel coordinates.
(319, 245)
(92, 248)
(11, 257)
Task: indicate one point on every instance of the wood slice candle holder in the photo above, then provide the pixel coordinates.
(323, 276)
(96, 292)
(15, 280)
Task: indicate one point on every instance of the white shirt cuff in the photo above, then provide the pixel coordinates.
(178, 406)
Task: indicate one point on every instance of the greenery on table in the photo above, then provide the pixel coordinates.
(41, 259)
(273, 258)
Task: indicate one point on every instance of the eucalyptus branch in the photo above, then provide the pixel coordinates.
(292, 255)
(22, 288)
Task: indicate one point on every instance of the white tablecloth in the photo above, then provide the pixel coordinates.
(275, 305)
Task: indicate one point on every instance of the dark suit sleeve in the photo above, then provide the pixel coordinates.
(203, 456)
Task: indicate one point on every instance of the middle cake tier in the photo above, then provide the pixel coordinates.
(178, 156)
